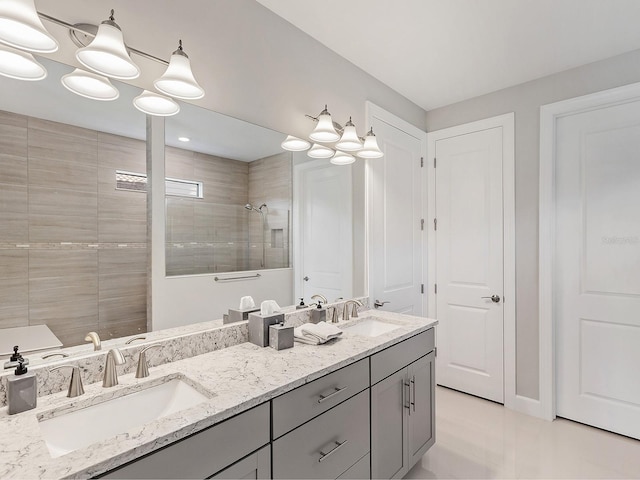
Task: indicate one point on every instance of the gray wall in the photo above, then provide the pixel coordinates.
(525, 100)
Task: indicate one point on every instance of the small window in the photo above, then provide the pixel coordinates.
(137, 182)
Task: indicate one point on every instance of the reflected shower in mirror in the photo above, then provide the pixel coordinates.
(239, 218)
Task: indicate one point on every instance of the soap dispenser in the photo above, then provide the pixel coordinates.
(22, 389)
(301, 305)
(319, 314)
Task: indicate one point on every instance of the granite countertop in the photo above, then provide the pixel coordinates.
(237, 378)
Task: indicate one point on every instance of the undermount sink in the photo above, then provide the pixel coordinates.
(370, 327)
(80, 428)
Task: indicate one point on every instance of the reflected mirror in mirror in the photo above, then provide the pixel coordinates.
(72, 245)
(228, 195)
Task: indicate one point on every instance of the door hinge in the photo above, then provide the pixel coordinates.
(421, 162)
(434, 162)
(422, 224)
(435, 288)
(422, 288)
(435, 224)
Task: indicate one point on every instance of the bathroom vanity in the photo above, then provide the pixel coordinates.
(359, 407)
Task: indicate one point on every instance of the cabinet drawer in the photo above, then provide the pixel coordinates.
(205, 453)
(398, 356)
(326, 446)
(296, 407)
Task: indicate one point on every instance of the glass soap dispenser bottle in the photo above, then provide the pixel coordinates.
(22, 389)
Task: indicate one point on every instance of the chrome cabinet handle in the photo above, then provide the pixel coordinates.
(407, 403)
(494, 298)
(413, 385)
(324, 456)
(336, 391)
(378, 304)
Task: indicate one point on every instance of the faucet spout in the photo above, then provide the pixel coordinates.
(114, 357)
(94, 338)
(354, 309)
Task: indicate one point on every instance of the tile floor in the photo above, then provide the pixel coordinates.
(479, 439)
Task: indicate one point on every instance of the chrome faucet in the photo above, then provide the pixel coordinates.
(332, 314)
(114, 357)
(95, 339)
(131, 340)
(75, 385)
(354, 310)
(143, 369)
(320, 298)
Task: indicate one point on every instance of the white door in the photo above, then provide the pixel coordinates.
(469, 262)
(597, 274)
(323, 197)
(395, 213)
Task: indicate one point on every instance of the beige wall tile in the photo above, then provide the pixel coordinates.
(122, 217)
(122, 309)
(15, 119)
(62, 130)
(122, 329)
(58, 174)
(61, 228)
(14, 316)
(13, 151)
(13, 170)
(72, 314)
(13, 213)
(13, 140)
(120, 141)
(62, 263)
(130, 157)
(57, 201)
(122, 261)
(113, 286)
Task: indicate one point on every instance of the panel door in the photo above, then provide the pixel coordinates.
(597, 274)
(469, 262)
(326, 229)
(395, 260)
(422, 411)
(255, 466)
(389, 426)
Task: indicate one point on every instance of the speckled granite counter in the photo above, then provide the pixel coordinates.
(237, 377)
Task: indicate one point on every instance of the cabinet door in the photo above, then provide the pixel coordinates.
(422, 407)
(255, 466)
(389, 424)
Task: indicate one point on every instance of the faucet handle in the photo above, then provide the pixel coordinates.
(143, 369)
(75, 385)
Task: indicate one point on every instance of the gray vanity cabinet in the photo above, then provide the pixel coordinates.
(255, 466)
(402, 406)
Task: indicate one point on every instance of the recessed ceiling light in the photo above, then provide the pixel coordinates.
(184, 139)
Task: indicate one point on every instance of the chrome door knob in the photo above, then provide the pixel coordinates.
(306, 279)
(494, 298)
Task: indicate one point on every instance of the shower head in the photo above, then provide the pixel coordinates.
(249, 206)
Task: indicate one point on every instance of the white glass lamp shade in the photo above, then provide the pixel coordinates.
(20, 65)
(295, 144)
(154, 104)
(107, 55)
(178, 80)
(349, 142)
(341, 158)
(324, 131)
(21, 27)
(320, 151)
(90, 85)
(370, 148)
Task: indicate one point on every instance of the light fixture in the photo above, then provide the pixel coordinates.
(20, 27)
(324, 132)
(341, 158)
(320, 151)
(107, 54)
(349, 142)
(90, 85)
(370, 148)
(184, 139)
(295, 144)
(178, 80)
(154, 104)
(20, 65)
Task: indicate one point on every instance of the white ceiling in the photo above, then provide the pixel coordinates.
(438, 52)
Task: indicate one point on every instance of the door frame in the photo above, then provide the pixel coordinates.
(507, 122)
(374, 111)
(299, 166)
(549, 115)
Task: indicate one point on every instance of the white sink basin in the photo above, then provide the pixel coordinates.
(80, 428)
(370, 327)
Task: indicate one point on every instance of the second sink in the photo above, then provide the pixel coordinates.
(80, 428)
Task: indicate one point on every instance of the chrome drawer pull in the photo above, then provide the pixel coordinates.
(324, 456)
(327, 397)
(413, 387)
(406, 401)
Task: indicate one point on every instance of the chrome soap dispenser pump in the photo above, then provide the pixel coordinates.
(22, 388)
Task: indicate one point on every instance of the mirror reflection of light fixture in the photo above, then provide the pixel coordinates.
(345, 138)
(324, 132)
(370, 148)
(107, 55)
(154, 104)
(90, 85)
(349, 142)
(20, 65)
(320, 151)
(295, 144)
(178, 80)
(20, 27)
(342, 158)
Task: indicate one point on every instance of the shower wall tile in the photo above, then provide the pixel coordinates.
(122, 217)
(13, 213)
(14, 288)
(179, 164)
(122, 261)
(13, 149)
